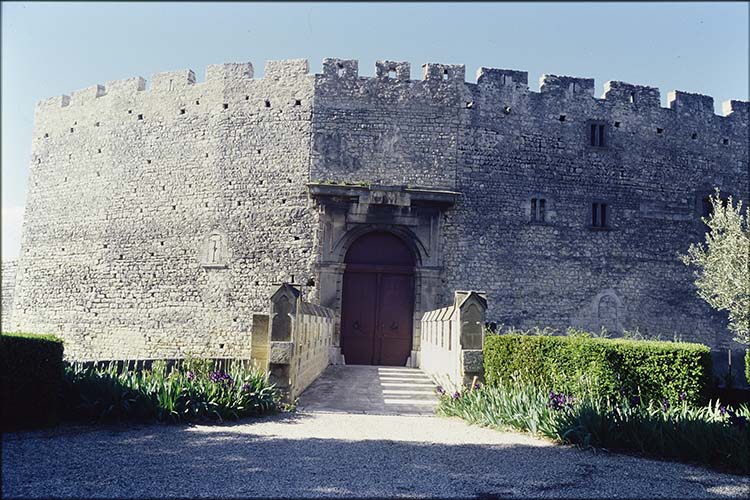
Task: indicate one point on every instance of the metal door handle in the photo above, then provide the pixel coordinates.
(356, 325)
(394, 325)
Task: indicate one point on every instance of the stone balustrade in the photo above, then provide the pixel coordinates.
(293, 341)
(452, 339)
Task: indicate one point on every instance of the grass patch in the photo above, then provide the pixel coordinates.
(710, 434)
(191, 390)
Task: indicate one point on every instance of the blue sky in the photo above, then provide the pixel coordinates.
(50, 49)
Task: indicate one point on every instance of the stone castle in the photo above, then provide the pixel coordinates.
(160, 220)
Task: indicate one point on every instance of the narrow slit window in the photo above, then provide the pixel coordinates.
(538, 209)
(594, 213)
(597, 135)
(599, 214)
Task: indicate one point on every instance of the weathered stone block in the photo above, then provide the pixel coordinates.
(281, 352)
(472, 360)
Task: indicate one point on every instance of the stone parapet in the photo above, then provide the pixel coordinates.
(301, 336)
(452, 339)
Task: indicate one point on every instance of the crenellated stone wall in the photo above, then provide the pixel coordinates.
(501, 144)
(161, 217)
(158, 219)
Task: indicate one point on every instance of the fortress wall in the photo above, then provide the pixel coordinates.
(160, 216)
(8, 273)
(567, 273)
(387, 129)
(500, 143)
(123, 211)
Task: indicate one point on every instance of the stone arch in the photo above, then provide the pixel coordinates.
(411, 240)
(606, 309)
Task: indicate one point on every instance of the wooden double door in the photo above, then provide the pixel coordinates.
(377, 304)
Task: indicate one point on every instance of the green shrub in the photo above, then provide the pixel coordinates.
(711, 434)
(747, 366)
(186, 391)
(31, 374)
(652, 370)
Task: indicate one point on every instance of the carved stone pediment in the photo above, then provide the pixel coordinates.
(374, 194)
(385, 197)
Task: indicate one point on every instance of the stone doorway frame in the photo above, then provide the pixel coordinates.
(412, 214)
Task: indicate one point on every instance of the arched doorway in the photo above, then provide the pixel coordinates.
(377, 301)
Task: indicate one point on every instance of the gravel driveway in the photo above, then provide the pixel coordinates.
(321, 454)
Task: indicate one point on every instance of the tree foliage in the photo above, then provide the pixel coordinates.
(723, 264)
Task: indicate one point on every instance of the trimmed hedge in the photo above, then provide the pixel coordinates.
(31, 376)
(615, 367)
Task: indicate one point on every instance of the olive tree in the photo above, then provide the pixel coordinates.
(722, 264)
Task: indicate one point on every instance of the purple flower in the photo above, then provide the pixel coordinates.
(219, 377)
(477, 386)
(558, 401)
(456, 395)
(190, 376)
(664, 405)
(440, 390)
(247, 387)
(635, 401)
(722, 410)
(683, 396)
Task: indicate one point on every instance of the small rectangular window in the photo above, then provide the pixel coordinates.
(597, 135)
(538, 208)
(599, 214)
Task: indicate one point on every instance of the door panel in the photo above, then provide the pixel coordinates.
(394, 320)
(377, 301)
(358, 318)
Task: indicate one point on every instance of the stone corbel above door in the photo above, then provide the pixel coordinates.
(350, 210)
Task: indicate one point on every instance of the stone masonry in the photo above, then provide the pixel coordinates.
(8, 273)
(159, 220)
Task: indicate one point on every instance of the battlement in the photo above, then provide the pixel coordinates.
(686, 103)
(551, 86)
(566, 86)
(493, 77)
(627, 93)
